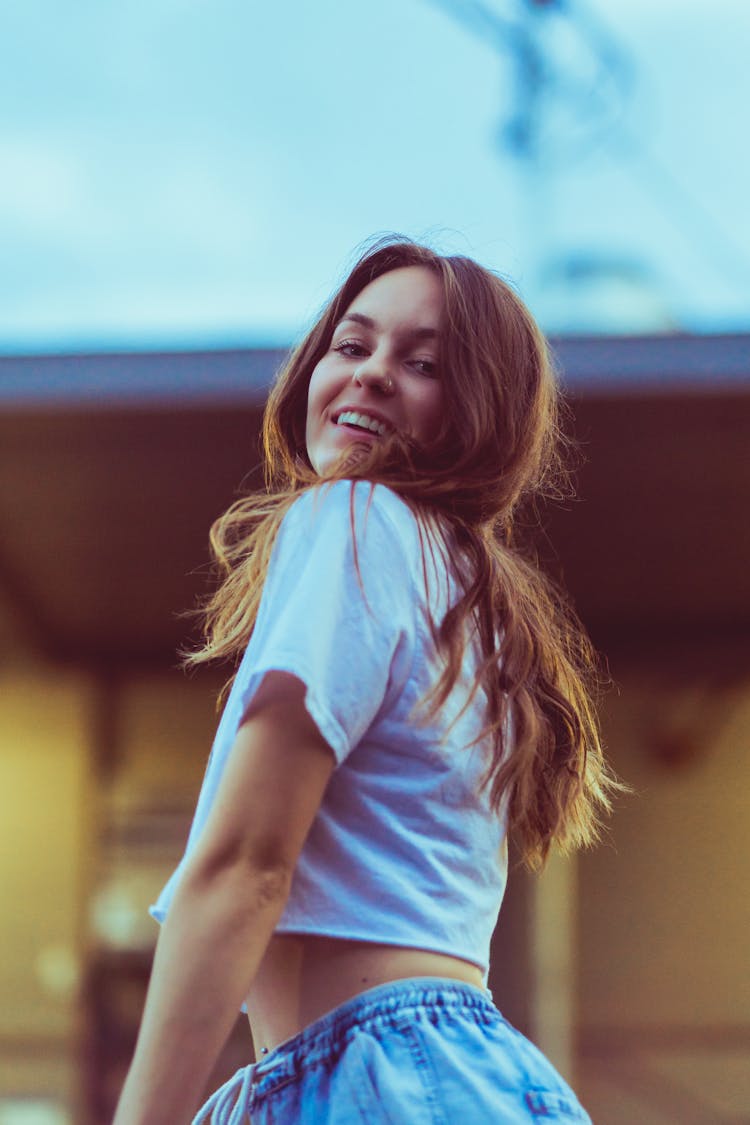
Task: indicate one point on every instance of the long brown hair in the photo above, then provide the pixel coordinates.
(500, 444)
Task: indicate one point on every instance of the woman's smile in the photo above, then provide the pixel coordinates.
(362, 421)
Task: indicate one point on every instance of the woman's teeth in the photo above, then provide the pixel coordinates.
(364, 421)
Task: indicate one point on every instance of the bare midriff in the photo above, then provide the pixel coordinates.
(302, 976)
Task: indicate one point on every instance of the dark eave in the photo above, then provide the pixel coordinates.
(112, 468)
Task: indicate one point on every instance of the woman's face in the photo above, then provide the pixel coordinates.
(380, 372)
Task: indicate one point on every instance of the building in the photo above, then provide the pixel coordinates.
(628, 965)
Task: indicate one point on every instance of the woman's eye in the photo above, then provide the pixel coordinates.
(349, 347)
(425, 366)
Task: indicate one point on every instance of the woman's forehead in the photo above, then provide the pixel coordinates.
(409, 298)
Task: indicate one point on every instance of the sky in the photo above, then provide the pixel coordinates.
(179, 173)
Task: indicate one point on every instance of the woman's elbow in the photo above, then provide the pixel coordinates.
(258, 876)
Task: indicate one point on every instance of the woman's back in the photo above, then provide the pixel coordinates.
(406, 857)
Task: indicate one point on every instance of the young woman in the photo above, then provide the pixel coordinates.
(411, 691)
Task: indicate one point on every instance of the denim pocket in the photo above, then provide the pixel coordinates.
(554, 1106)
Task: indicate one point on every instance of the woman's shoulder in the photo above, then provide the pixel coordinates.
(379, 527)
(349, 503)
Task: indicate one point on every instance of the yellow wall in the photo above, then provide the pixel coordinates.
(162, 732)
(665, 925)
(44, 834)
(165, 729)
(664, 908)
(54, 810)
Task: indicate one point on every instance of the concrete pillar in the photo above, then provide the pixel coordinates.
(534, 955)
(553, 962)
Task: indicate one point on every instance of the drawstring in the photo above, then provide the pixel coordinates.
(229, 1104)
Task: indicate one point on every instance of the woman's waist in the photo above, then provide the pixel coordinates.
(304, 976)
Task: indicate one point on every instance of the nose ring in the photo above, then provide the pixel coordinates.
(388, 381)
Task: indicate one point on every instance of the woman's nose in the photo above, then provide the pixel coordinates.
(373, 373)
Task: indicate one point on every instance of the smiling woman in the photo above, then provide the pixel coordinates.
(409, 691)
(379, 374)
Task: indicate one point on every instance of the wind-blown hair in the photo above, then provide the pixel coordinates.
(499, 444)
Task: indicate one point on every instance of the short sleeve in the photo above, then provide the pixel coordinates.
(338, 607)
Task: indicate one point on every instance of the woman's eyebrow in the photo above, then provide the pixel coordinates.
(367, 322)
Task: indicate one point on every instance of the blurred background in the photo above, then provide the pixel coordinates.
(181, 186)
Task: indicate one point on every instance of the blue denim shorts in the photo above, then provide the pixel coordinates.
(425, 1050)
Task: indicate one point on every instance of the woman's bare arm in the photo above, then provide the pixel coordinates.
(227, 903)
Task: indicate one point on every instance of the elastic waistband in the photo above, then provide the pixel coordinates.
(394, 999)
(392, 1003)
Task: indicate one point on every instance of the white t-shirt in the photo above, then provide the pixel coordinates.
(403, 850)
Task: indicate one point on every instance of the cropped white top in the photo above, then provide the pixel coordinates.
(404, 850)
